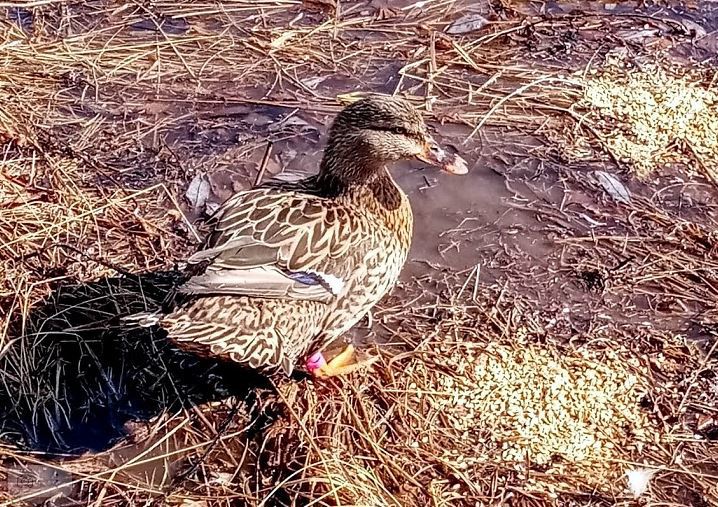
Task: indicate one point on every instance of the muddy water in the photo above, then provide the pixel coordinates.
(453, 216)
(460, 221)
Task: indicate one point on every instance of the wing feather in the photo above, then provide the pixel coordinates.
(262, 238)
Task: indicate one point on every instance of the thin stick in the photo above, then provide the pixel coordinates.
(263, 164)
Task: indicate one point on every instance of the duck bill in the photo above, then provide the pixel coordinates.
(435, 155)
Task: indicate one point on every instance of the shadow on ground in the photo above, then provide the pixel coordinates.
(74, 377)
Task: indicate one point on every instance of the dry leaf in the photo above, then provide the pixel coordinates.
(638, 480)
(198, 192)
(614, 187)
(467, 24)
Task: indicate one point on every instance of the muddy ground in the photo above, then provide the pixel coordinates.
(530, 219)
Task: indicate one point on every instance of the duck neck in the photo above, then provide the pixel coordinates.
(343, 168)
(351, 175)
(372, 189)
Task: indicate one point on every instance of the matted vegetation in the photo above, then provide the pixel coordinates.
(485, 393)
(395, 437)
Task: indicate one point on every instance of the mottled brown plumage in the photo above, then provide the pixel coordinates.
(290, 267)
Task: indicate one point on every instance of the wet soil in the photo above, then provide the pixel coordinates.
(500, 224)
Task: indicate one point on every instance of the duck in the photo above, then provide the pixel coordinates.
(287, 268)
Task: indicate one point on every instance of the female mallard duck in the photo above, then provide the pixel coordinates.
(289, 267)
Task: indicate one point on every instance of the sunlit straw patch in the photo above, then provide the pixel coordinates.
(527, 404)
(650, 118)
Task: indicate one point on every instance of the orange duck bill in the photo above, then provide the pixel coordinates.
(435, 155)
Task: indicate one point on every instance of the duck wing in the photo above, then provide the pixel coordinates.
(278, 244)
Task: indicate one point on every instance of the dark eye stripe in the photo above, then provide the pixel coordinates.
(398, 131)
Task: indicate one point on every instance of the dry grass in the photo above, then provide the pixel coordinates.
(108, 109)
(660, 251)
(393, 437)
(57, 221)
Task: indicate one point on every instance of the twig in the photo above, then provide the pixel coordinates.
(263, 164)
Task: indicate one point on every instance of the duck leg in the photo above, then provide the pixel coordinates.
(342, 364)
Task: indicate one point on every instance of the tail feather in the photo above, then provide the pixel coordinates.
(145, 319)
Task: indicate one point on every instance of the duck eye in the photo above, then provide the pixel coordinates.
(400, 131)
(396, 129)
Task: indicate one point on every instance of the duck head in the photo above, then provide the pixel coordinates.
(369, 133)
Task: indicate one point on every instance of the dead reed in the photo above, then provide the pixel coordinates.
(108, 110)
